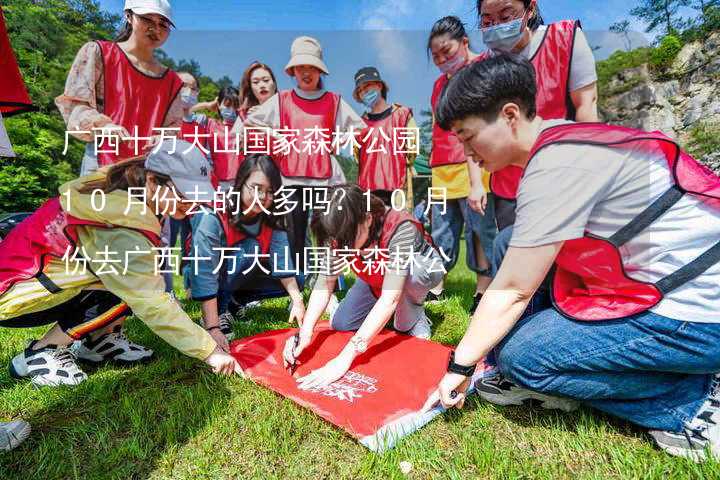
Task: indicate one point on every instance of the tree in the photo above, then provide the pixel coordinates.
(623, 28)
(659, 14)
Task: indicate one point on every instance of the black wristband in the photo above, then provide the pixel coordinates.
(459, 369)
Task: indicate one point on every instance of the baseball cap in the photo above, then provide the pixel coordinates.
(187, 167)
(143, 7)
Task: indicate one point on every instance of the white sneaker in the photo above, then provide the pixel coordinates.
(49, 366)
(13, 434)
(225, 322)
(499, 390)
(421, 329)
(113, 346)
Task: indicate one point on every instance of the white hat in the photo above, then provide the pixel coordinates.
(306, 51)
(143, 7)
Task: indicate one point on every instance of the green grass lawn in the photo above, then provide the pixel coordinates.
(172, 418)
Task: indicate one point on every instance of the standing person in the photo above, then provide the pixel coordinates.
(305, 109)
(450, 48)
(398, 289)
(120, 86)
(634, 330)
(381, 169)
(41, 284)
(567, 85)
(243, 227)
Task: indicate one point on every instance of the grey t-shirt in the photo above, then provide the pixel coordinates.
(567, 190)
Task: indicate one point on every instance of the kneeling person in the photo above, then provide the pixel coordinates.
(398, 287)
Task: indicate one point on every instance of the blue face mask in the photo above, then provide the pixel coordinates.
(370, 98)
(228, 114)
(504, 37)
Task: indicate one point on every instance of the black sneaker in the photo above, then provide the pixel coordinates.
(49, 366)
(476, 302)
(499, 390)
(700, 437)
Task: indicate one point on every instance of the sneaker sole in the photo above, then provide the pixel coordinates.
(545, 402)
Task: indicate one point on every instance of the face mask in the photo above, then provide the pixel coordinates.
(504, 37)
(453, 65)
(370, 99)
(188, 98)
(228, 114)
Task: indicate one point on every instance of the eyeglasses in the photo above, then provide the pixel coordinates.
(150, 23)
(507, 15)
(262, 194)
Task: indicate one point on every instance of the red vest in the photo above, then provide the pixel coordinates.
(132, 99)
(48, 232)
(223, 150)
(552, 64)
(374, 276)
(378, 169)
(303, 115)
(590, 281)
(446, 148)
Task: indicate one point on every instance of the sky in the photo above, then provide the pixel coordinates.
(224, 36)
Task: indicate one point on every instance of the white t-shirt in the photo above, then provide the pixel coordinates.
(268, 115)
(5, 146)
(567, 190)
(582, 65)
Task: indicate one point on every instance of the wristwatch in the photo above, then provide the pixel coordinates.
(459, 369)
(359, 344)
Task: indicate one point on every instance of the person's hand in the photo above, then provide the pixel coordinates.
(291, 352)
(477, 200)
(331, 372)
(220, 339)
(450, 392)
(222, 363)
(297, 312)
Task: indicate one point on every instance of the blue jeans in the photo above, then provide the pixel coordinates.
(447, 229)
(651, 370)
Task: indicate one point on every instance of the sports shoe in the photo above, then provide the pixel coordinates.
(421, 329)
(225, 323)
(476, 302)
(114, 346)
(501, 391)
(700, 437)
(48, 366)
(13, 434)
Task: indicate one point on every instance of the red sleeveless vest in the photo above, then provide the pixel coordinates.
(383, 170)
(133, 99)
(590, 281)
(48, 232)
(223, 150)
(446, 148)
(303, 115)
(393, 219)
(552, 63)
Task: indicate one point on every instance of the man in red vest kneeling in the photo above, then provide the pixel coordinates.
(630, 224)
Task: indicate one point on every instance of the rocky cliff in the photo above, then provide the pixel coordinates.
(683, 102)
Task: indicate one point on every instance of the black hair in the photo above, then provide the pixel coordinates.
(450, 25)
(336, 225)
(534, 22)
(265, 164)
(126, 30)
(229, 93)
(484, 87)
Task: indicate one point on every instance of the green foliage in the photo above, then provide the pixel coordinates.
(663, 56)
(704, 139)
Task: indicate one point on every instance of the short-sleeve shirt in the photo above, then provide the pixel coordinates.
(568, 190)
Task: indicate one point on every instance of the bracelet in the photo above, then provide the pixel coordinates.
(464, 370)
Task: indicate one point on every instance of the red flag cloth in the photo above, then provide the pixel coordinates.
(378, 401)
(13, 95)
